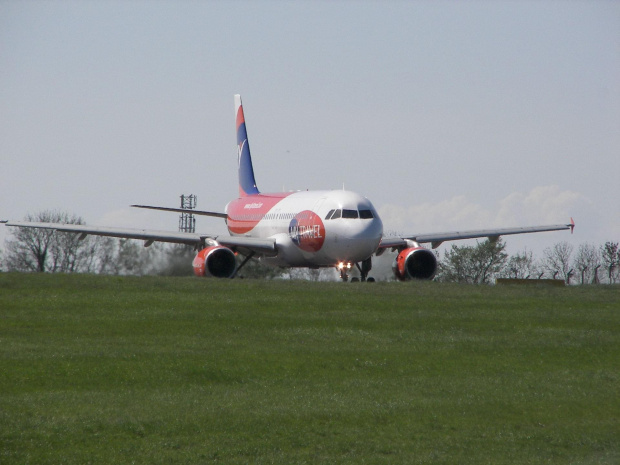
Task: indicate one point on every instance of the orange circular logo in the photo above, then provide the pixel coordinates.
(307, 231)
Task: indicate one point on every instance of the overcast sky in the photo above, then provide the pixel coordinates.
(446, 115)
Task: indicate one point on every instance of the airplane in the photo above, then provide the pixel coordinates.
(311, 229)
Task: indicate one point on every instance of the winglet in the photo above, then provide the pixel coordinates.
(247, 183)
(572, 225)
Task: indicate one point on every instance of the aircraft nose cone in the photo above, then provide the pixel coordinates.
(356, 240)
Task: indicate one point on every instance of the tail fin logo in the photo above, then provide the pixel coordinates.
(239, 150)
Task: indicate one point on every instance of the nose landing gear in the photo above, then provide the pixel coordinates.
(344, 269)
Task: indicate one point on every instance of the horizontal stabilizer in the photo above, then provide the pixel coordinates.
(183, 210)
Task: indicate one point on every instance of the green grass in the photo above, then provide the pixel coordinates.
(184, 370)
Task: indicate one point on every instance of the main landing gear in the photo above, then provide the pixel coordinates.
(247, 259)
(344, 269)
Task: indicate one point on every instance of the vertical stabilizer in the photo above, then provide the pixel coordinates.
(247, 183)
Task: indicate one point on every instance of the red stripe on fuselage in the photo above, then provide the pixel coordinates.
(245, 213)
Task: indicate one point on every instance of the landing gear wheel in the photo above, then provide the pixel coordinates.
(355, 280)
(370, 280)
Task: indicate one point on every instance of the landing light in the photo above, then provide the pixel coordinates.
(343, 265)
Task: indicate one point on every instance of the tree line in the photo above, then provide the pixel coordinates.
(486, 261)
(45, 250)
(42, 250)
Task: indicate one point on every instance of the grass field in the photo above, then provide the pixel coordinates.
(183, 370)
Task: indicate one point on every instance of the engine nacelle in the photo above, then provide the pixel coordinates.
(215, 261)
(415, 263)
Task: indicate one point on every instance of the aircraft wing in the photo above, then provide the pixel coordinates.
(492, 234)
(262, 246)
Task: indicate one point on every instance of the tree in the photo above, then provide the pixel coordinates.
(478, 264)
(610, 256)
(44, 249)
(557, 260)
(587, 262)
(103, 256)
(67, 254)
(132, 258)
(521, 266)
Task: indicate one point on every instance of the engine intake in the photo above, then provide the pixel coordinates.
(216, 261)
(415, 263)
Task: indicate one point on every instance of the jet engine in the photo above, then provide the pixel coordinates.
(215, 261)
(415, 263)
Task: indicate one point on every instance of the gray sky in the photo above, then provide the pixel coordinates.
(447, 115)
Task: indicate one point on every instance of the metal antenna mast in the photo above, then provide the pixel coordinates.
(187, 221)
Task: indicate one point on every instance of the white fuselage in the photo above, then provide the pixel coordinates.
(311, 228)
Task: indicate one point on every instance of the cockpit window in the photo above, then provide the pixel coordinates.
(329, 215)
(350, 214)
(366, 214)
(336, 214)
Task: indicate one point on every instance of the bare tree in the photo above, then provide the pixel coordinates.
(102, 255)
(46, 250)
(557, 260)
(43, 249)
(587, 262)
(132, 258)
(66, 250)
(610, 256)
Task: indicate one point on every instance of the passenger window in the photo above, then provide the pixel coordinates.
(349, 214)
(329, 215)
(336, 215)
(365, 214)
